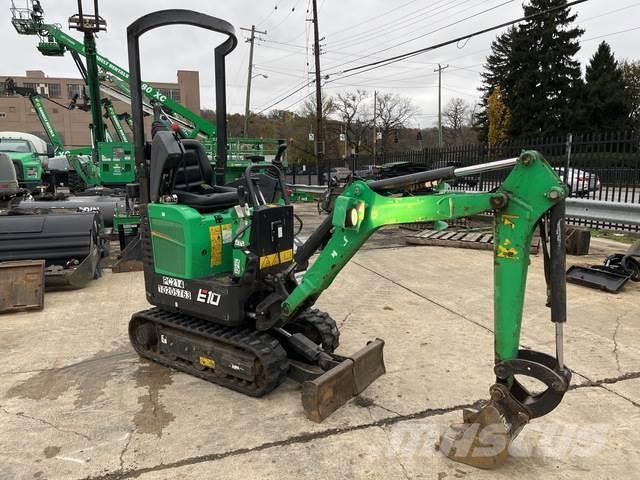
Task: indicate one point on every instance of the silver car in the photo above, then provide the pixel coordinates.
(339, 173)
(580, 182)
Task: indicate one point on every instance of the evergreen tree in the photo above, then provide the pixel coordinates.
(546, 96)
(535, 66)
(608, 102)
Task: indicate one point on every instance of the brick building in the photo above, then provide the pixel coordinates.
(17, 113)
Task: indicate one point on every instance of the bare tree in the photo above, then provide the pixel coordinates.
(393, 112)
(456, 114)
(309, 107)
(352, 110)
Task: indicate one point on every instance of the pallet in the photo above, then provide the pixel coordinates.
(460, 239)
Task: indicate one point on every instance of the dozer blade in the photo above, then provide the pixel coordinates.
(325, 394)
(484, 437)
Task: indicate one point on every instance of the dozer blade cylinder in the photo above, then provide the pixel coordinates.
(325, 394)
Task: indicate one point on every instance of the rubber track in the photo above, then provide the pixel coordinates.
(267, 350)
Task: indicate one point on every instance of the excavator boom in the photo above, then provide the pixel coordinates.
(531, 193)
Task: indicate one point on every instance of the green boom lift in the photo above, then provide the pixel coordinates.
(230, 308)
(36, 172)
(113, 163)
(55, 42)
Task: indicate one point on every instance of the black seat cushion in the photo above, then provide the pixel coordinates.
(215, 199)
(192, 181)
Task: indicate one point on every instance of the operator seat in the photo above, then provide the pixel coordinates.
(187, 174)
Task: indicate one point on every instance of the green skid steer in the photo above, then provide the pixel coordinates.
(222, 274)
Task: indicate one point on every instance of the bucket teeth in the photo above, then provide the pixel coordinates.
(325, 394)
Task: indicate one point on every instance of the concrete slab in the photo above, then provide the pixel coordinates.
(580, 441)
(601, 333)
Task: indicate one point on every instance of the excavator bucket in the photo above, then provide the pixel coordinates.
(68, 242)
(325, 394)
(484, 437)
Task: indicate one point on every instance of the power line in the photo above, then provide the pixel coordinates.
(390, 26)
(377, 16)
(599, 16)
(610, 34)
(305, 26)
(293, 9)
(268, 15)
(287, 96)
(436, 30)
(376, 35)
(285, 43)
(397, 58)
(446, 11)
(403, 56)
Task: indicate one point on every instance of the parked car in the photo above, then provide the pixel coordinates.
(368, 172)
(339, 173)
(580, 182)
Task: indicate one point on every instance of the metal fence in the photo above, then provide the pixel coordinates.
(600, 166)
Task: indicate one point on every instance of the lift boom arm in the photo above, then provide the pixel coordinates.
(37, 102)
(55, 42)
(112, 115)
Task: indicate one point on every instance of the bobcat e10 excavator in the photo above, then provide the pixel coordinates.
(221, 270)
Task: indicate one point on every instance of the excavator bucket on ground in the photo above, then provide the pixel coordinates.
(484, 437)
(69, 243)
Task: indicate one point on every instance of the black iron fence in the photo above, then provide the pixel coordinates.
(600, 166)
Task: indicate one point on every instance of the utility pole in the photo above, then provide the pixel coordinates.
(439, 70)
(319, 133)
(251, 41)
(375, 129)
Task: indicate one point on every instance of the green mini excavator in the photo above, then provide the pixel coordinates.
(233, 298)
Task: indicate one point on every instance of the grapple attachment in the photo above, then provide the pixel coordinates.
(351, 376)
(484, 437)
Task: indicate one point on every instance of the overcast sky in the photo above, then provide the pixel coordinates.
(355, 32)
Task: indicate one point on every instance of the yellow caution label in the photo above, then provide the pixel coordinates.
(215, 237)
(207, 362)
(273, 259)
(510, 220)
(504, 252)
(286, 256)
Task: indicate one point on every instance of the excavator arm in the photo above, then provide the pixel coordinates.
(531, 193)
